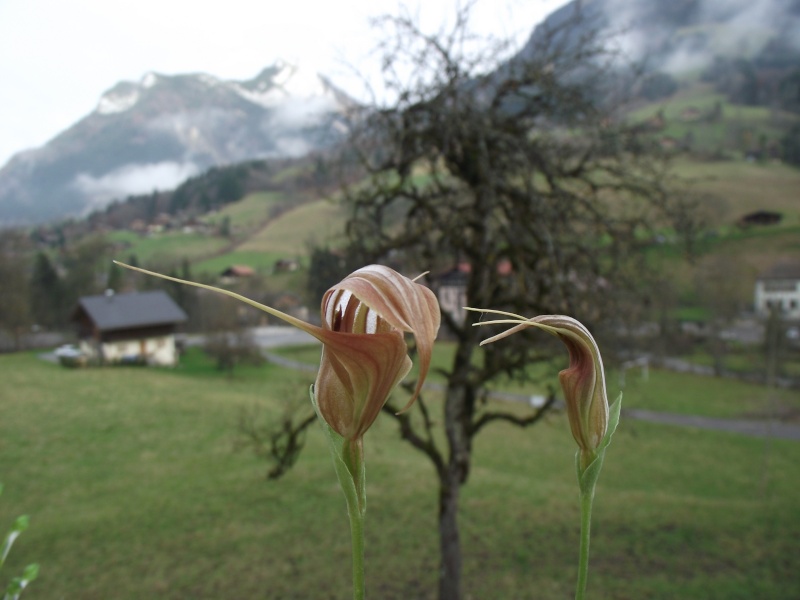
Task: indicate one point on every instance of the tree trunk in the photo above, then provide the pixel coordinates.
(449, 540)
(458, 417)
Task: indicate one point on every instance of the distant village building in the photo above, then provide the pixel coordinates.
(286, 265)
(236, 272)
(138, 226)
(134, 328)
(779, 289)
(453, 291)
(452, 294)
(667, 142)
(760, 217)
(691, 113)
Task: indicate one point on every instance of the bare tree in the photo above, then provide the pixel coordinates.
(517, 185)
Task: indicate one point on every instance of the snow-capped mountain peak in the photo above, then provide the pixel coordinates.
(118, 99)
(276, 85)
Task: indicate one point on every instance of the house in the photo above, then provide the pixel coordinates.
(286, 265)
(236, 272)
(453, 291)
(452, 294)
(779, 288)
(134, 328)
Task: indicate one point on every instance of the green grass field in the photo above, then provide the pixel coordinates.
(248, 214)
(168, 247)
(737, 129)
(263, 262)
(318, 222)
(287, 236)
(134, 491)
(745, 187)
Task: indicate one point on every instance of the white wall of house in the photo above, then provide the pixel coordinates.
(452, 299)
(158, 351)
(783, 294)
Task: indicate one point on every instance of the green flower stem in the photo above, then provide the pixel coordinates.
(357, 542)
(348, 462)
(588, 465)
(587, 497)
(351, 480)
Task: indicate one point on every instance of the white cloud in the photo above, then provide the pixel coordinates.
(133, 179)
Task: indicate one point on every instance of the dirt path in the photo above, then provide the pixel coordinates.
(754, 427)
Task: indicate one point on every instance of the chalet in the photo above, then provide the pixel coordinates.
(236, 272)
(779, 289)
(136, 327)
(452, 288)
(453, 291)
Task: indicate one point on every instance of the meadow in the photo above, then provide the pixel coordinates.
(134, 490)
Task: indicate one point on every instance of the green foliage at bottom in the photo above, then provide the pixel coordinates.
(29, 573)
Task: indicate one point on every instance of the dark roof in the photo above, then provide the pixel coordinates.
(138, 309)
(782, 271)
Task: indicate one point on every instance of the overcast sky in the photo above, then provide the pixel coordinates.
(57, 57)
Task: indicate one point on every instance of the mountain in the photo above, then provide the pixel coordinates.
(678, 36)
(155, 133)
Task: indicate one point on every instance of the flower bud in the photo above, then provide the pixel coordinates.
(583, 382)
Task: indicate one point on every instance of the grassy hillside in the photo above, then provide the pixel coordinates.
(714, 125)
(166, 248)
(288, 235)
(317, 222)
(743, 187)
(248, 214)
(269, 226)
(134, 491)
(724, 153)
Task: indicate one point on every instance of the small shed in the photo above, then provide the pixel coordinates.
(234, 273)
(760, 217)
(136, 327)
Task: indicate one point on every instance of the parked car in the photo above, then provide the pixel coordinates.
(69, 355)
(67, 350)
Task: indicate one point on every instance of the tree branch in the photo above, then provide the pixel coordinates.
(507, 417)
(279, 444)
(426, 444)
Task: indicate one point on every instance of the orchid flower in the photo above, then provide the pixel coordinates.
(591, 420)
(364, 357)
(583, 382)
(364, 354)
